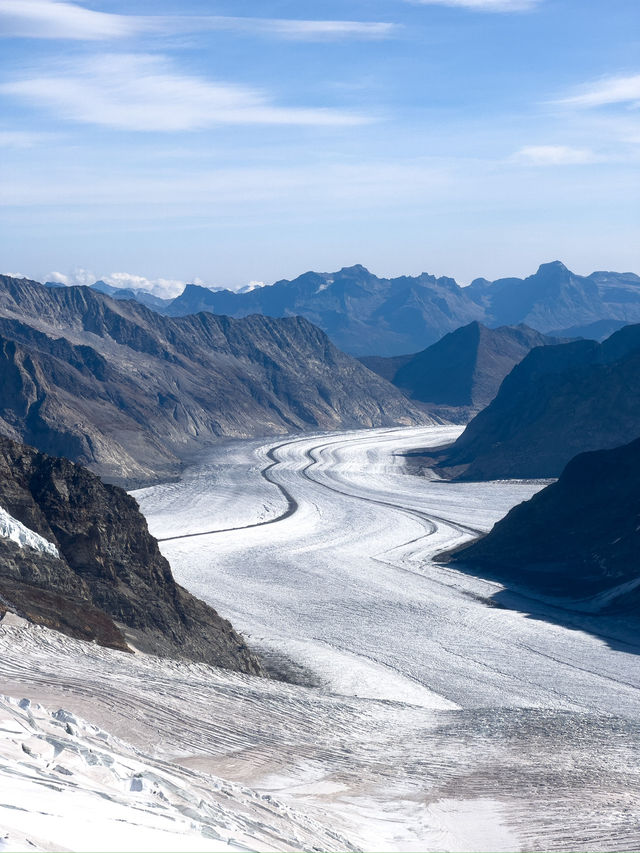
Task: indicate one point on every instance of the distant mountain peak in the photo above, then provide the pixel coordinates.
(463, 370)
(195, 288)
(553, 267)
(356, 269)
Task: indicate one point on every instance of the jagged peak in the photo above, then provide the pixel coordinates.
(355, 268)
(554, 267)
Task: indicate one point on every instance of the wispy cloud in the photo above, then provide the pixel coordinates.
(52, 19)
(610, 90)
(284, 27)
(554, 155)
(143, 92)
(320, 184)
(62, 20)
(23, 138)
(484, 5)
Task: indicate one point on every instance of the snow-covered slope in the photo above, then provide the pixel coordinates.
(11, 528)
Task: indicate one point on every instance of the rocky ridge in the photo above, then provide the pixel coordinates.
(460, 374)
(557, 402)
(110, 582)
(131, 394)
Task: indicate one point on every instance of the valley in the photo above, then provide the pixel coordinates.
(425, 709)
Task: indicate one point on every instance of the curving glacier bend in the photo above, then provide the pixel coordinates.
(425, 717)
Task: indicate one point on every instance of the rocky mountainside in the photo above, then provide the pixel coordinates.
(579, 537)
(130, 393)
(462, 372)
(558, 402)
(109, 582)
(367, 315)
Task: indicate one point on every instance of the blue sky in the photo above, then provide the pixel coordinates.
(160, 142)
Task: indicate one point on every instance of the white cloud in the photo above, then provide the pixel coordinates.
(52, 19)
(285, 27)
(484, 5)
(163, 287)
(58, 19)
(79, 275)
(22, 138)
(144, 92)
(610, 90)
(554, 155)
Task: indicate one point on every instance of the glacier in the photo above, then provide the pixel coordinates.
(417, 715)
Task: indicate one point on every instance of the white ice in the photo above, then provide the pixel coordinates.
(11, 528)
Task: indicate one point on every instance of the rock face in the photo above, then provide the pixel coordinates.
(111, 583)
(130, 393)
(367, 315)
(579, 537)
(462, 372)
(558, 402)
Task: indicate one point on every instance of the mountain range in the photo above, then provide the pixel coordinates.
(557, 402)
(579, 537)
(364, 314)
(130, 393)
(461, 373)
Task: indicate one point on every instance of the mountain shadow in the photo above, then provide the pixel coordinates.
(571, 554)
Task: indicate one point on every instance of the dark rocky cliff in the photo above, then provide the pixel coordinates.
(578, 537)
(111, 582)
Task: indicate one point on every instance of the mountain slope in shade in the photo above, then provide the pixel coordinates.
(579, 537)
(558, 402)
(462, 372)
(367, 315)
(109, 582)
(600, 330)
(118, 387)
